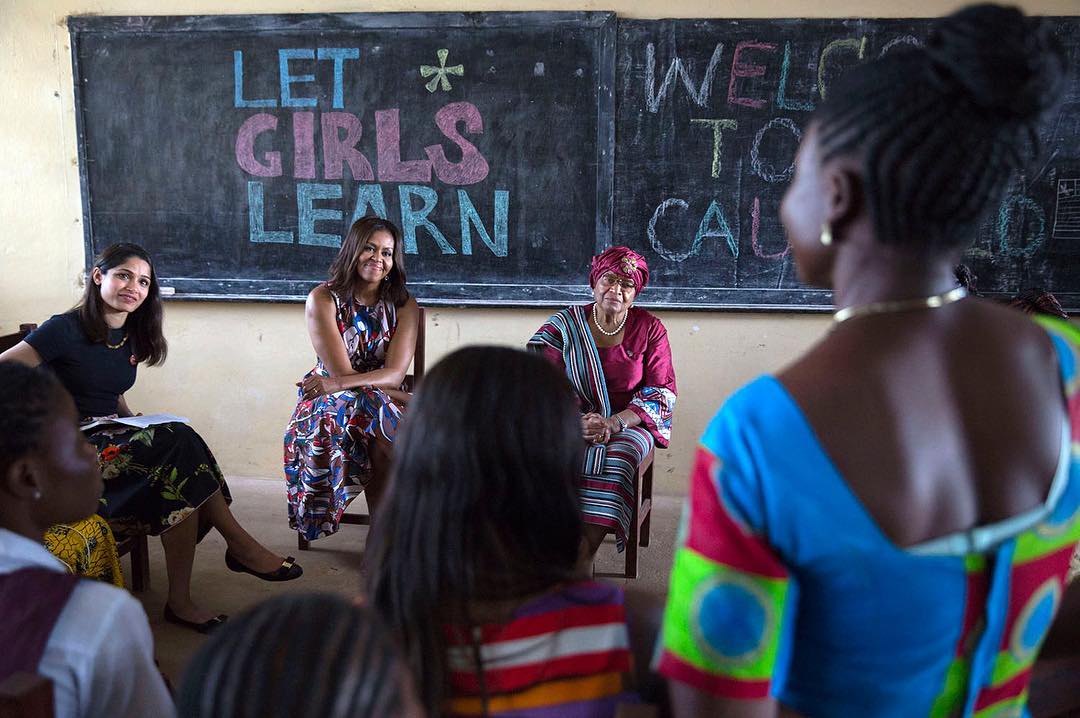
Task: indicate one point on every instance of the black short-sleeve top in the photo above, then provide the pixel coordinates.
(93, 373)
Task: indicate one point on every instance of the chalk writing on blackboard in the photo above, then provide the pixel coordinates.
(710, 116)
(488, 137)
(342, 133)
(1067, 211)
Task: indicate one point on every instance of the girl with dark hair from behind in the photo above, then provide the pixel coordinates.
(884, 527)
(479, 544)
(162, 480)
(90, 639)
(304, 655)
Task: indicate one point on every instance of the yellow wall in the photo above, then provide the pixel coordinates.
(231, 365)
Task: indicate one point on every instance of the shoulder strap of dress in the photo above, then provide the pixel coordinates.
(336, 297)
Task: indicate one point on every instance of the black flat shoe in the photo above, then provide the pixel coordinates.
(204, 627)
(287, 571)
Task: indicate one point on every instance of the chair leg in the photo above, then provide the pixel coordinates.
(630, 569)
(302, 543)
(140, 564)
(646, 496)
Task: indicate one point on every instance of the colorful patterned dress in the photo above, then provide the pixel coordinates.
(636, 374)
(566, 653)
(327, 462)
(784, 585)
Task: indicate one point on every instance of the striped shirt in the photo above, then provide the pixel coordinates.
(565, 653)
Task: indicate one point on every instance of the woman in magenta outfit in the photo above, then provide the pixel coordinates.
(618, 361)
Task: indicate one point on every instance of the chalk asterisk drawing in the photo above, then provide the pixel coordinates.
(441, 72)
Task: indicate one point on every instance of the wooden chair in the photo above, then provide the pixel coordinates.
(639, 517)
(410, 385)
(9, 340)
(137, 546)
(26, 695)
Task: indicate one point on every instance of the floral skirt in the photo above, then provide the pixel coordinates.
(154, 477)
(88, 548)
(327, 461)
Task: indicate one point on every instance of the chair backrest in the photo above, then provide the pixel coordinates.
(418, 354)
(26, 695)
(9, 340)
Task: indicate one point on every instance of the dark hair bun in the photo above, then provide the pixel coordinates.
(1007, 64)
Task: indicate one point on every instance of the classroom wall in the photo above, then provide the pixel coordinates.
(232, 366)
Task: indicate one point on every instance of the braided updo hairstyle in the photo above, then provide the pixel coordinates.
(939, 129)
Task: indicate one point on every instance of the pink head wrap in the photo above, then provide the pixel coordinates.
(621, 261)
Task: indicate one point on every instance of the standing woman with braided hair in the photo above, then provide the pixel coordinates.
(862, 538)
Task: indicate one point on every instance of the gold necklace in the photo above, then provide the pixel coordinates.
(116, 346)
(902, 305)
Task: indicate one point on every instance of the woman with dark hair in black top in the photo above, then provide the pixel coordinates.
(161, 480)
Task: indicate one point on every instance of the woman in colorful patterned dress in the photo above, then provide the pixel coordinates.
(474, 562)
(161, 480)
(618, 360)
(362, 323)
(884, 527)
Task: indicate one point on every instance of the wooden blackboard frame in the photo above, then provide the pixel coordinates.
(603, 24)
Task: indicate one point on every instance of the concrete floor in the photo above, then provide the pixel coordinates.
(332, 564)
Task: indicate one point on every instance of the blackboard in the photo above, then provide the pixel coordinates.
(238, 149)
(511, 146)
(709, 115)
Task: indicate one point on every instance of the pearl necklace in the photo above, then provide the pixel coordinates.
(932, 302)
(605, 332)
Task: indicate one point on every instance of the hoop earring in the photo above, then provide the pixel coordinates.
(826, 234)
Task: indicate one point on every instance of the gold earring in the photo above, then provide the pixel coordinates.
(826, 234)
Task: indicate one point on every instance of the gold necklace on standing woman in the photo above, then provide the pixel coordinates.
(903, 305)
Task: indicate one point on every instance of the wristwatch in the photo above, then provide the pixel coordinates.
(622, 424)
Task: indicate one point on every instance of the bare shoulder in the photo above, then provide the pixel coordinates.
(806, 375)
(409, 309)
(994, 329)
(319, 300)
(321, 293)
